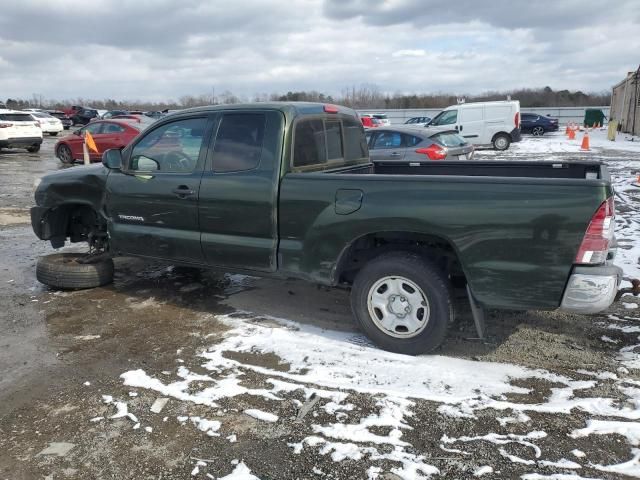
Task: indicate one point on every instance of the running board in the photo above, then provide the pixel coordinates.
(478, 313)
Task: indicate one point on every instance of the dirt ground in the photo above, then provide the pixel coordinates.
(62, 355)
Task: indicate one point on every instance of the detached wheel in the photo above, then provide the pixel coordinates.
(501, 141)
(33, 148)
(537, 131)
(62, 270)
(401, 301)
(64, 154)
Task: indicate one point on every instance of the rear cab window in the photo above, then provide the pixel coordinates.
(16, 117)
(323, 143)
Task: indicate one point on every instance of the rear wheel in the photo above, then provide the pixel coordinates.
(537, 131)
(501, 141)
(64, 154)
(33, 148)
(53, 134)
(67, 271)
(402, 302)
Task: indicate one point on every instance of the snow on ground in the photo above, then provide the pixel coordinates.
(329, 364)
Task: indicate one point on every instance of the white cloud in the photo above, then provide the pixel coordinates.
(168, 48)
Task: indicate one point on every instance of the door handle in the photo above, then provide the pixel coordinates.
(460, 127)
(395, 154)
(183, 191)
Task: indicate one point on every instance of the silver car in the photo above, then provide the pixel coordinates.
(415, 144)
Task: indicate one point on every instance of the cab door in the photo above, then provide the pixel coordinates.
(239, 191)
(153, 201)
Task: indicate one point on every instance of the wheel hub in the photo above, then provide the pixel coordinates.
(399, 306)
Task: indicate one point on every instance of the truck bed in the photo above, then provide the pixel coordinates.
(514, 226)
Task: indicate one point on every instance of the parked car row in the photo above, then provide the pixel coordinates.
(19, 130)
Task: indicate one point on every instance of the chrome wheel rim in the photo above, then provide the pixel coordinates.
(501, 143)
(538, 131)
(398, 307)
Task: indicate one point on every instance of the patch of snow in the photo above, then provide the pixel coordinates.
(629, 430)
(500, 439)
(578, 453)
(210, 427)
(630, 468)
(480, 471)
(604, 338)
(260, 415)
(514, 458)
(562, 463)
(241, 472)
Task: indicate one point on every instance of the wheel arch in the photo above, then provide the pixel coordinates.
(359, 251)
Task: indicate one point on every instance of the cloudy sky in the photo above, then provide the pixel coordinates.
(159, 49)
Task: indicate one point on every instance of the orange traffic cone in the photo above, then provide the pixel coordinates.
(585, 142)
(572, 134)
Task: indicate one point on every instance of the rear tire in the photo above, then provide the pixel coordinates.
(501, 141)
(53, 134)
(62, 270)
(405, 282)
(537, 131)
(33, 148)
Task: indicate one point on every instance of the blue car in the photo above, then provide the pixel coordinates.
(537, 125)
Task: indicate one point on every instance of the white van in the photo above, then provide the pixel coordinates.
(482, 123)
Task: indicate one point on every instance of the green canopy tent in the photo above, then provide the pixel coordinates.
(593, 116)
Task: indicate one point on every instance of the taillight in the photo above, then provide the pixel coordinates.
(434, 152)
(595, 244)
(516, 119)
(330, 108)
(6, 125)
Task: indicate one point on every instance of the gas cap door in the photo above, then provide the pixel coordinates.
(348, 201)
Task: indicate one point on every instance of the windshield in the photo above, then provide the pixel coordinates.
(380, 116)
(449, 139)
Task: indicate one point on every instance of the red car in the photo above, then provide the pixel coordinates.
(106, 133)
(370, 122)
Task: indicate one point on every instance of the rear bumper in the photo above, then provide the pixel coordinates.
(591, 289)
(516, 135)
(20, 142)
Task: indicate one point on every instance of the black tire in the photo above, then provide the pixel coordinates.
(53, 134)
(33, 148)
(501, 141)
(61, 270)
(64, 154)
(430, 281)
(537, 131)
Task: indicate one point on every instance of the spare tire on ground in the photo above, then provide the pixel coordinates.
(63, 270)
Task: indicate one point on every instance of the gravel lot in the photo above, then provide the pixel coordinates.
(177, 373)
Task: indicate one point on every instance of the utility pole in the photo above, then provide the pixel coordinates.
(213, 95)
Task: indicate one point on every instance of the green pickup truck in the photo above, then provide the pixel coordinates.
(288, 190)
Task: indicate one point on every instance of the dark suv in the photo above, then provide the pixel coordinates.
(83, 116)
(537, 125)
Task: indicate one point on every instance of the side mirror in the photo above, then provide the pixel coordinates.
(112, 159)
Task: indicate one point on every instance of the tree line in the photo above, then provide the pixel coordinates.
(363, 97)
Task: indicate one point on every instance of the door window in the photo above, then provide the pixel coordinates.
(411, 140)
(239, 141)
(387, 140)
(448, 117)
(112, 128)
(355, 145)
(171, 148)
(92, 128)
